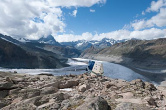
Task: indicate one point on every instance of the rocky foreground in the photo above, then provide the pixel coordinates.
(77, 92)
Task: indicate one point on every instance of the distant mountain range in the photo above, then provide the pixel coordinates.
(48, 53)
(50, 44)
(83, 44)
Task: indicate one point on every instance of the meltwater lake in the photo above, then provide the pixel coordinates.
(78, 66)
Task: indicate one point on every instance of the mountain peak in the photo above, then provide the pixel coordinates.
(48, 40)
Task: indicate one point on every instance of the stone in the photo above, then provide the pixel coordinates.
(17, 100)
(68, 84)
(17, 80)
(59, 97)
(29, 93)
(108, 85)
(14, 91)
(49, 106)
(127, 95)
(2, 104)
(133, 100)
(97, 103)
(49, 90)
(151, 101)
(4, 93)
(131, 106)
(150, 86)
(6, 85)
(138, 83)
(8, 79)
(54, 84)
(93, 75)
(65, 104)
(83, 88)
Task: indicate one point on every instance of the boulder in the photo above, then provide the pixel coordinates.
(138, 83)
(49, 106)
(97, 103)
(49, 90)
(29, 93)
(4, 93)
(127, 95)
(108, 85)
(6, 85)
(54, 84)
(59, 97)
(83, 87)
(17, 100)
(131, 106)
(68, 84)
(151, 101)
(150, 87)
(93, 75)
(17, 80)
(2, 104)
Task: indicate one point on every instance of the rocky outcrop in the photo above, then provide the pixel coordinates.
(77, 92)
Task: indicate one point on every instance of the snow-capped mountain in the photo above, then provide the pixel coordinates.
(49, 40)
(83, 44)
(43, 40)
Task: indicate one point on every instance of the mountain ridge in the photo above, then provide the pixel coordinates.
(83, 44)
(136, 53)
(15, 54)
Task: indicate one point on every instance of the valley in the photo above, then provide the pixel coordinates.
(123, 59)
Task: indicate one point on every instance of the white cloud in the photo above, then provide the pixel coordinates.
(75, 3)
(91, 10)
(74, 13)
(147, 34)
(36, 18)
(156, 5)
(158, 20)
(143, 13)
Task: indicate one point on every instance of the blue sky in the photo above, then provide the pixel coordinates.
(111, 16)
(72, 20)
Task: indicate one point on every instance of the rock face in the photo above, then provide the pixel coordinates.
(77, 92)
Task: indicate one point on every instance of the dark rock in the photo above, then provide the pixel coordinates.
(150, 86)
(4, 93)
(97, 103)
(138, 82)
(6, 85)
(46, 74)
(151, 101)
